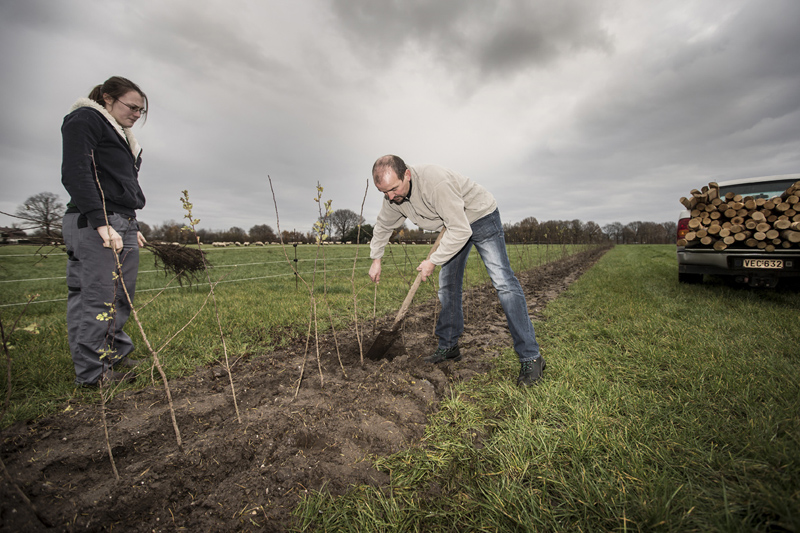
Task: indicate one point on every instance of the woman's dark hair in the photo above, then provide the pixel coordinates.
(115, 87)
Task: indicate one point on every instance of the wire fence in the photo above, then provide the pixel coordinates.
(398, 258)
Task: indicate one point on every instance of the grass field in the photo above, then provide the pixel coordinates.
(664, 408)
(260, 303)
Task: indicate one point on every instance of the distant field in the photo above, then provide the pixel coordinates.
(258, 297)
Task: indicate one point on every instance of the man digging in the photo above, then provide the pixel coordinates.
(433, 197)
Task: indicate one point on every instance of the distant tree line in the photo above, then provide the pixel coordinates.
(41, 215)
(530, 230)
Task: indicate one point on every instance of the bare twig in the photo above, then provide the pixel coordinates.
(374, 309)
(193, 222)
(330, 312)
(105, 430)
(194, 316)
(320, 227)
(36, 223)
(335, 339)
(353, 282)
(43, 256)
(159, 293)
(309, 287)
(305, 354)
(156, 360)
(400, 270)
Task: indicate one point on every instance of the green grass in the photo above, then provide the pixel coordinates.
(260, 304)
(664, 407)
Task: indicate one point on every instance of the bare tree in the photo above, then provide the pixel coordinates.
(592, 233)
(631, 233)
(44, 211)
(614, 231)
(670, 232)
(525, 230)
(169, 231)
(263, 233)
(234, 234)
(291, 237)
(343, 220)
(145, 228)
(361, 234)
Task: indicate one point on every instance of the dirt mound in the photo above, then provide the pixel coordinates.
(249, 476)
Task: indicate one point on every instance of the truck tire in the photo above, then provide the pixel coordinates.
(690, 278)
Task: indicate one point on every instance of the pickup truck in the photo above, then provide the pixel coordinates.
(754, 266)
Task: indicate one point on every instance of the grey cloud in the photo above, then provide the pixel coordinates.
(476, 37)
(527, 34)
(36, 15)
(205, 42)
(698, 105)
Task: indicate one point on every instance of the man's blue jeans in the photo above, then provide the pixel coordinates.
(488, 238)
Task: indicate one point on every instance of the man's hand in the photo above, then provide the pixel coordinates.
(375, 270)
(111, 239)
(141, 239)
(426, 269)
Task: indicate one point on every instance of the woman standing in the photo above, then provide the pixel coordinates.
(100, 170)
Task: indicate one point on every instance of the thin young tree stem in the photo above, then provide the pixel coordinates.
(105, 430)
(374, 309)
(305, 355)
(353, 281)
(188, 207)
(156, 360)
(205, 301)
(310, 287)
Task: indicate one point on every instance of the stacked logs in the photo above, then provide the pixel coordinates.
(736, 221)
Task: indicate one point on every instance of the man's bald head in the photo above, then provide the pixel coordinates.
(389, 174)
(388, 162)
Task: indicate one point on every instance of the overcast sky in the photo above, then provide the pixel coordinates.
(598, 110)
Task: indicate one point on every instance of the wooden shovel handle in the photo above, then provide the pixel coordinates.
(414, 286)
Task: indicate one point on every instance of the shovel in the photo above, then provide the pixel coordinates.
(386, 337)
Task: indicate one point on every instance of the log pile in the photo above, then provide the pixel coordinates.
(736, 221)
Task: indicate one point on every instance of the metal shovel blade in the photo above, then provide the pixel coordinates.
(382, 343)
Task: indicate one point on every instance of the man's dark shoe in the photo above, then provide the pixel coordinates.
(445, 354)
(127, 362)
(530, 372)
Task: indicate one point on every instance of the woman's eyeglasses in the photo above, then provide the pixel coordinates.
(134, 108)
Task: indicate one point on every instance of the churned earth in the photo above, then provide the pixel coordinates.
(248, 476)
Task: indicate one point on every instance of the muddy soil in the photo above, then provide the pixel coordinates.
(249, 476)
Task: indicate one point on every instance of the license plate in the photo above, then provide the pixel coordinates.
(763, 263)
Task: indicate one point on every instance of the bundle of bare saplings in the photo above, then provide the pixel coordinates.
(736, 221)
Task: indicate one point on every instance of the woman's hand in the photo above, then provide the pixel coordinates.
(141, 239)
(111, 239)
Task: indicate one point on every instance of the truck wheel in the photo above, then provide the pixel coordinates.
(690, 278)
